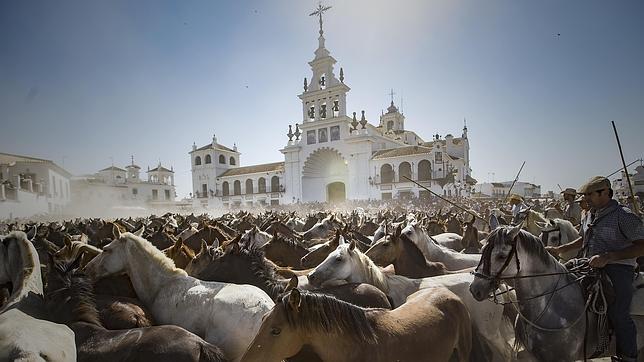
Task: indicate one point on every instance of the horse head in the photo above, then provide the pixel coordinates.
(499, 259)
(338, 265)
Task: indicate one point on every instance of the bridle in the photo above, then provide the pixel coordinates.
(545, 234)
(487, 257)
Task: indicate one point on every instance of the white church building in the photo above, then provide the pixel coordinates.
(332, 156)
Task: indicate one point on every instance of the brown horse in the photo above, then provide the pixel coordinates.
(180, 253)
(285, 252)
(320, 252)
(70, 300)
(407, 259)
(432, 325)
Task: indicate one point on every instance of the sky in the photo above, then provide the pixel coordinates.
(91, 83)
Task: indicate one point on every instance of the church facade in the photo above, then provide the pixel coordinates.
(331, 156)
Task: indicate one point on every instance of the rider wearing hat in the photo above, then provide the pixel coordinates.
(572, 211)
(517, 203)
(612, 237)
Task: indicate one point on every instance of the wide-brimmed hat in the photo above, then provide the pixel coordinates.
(569, 191)
(515, 197)
(596, 183)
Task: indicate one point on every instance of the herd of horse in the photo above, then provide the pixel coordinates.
(359, 286)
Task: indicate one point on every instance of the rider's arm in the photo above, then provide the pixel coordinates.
(573, 245)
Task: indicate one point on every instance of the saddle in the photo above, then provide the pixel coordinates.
(598, 292)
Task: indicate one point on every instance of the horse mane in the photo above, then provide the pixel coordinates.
(80, 293)
(288, 242)
(262, 269)
(321, 312)
(156, 256)
(371, 271)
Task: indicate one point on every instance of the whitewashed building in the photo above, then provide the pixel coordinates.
(501, 189)
(620, 185)
(30, 186)
(114, 186)
(333, 156)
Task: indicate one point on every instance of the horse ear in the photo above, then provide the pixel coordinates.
(352, 245)
(341, 240)
(294, 299)
(514, 232)
(398, 231)
(67, 240)
(204, 247)
(139, 232)
(32, 232)
(292, 284)
(215, 244)
(494, 222)
(116, 232)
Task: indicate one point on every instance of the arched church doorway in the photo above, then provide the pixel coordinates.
(335, 192)
(323, 168)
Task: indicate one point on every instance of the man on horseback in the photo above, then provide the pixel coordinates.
(572, 211)
(612, 237)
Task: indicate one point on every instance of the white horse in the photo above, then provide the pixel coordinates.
(224, 314)
(23, 336)
(255, 237)
(552, 309)
(350, 265)
(557, 232)
(434, 252)
(449, 240)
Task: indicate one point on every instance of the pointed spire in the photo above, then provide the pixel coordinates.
(341, 75)
(235, 146)
(194, 146)
(363, 121)
(306, 86)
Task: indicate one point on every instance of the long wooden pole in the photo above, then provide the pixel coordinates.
(513, 182)
(448, 201)
(628, 178)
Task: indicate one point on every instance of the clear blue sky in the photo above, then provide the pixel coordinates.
(91, 81)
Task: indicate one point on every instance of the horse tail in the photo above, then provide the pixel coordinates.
(210, 353)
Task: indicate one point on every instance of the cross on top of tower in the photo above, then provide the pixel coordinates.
(318, 12)
(392, 95)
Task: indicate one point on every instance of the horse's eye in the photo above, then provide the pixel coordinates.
(338, 258)
(276, 331)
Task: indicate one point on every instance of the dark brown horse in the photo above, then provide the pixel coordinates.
(70, 300)
(407, 259)
(285, 252)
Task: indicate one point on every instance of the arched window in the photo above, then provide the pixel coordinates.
(386, 174)
(197, 161)
(232, 161)
(249, 186)
(225, 189)
(404, 170)
(424, 170)
(237, 187)
(390, 125)
(275, 184)
(261, 185)
(208, 159)
(222, 159)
